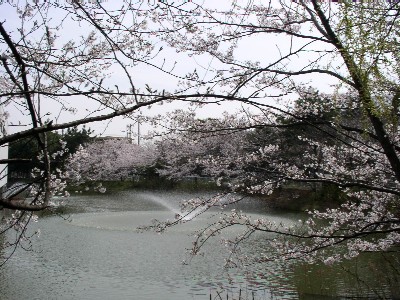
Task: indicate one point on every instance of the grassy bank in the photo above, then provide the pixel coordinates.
(145, 184)
(296, 197)
(302, 197)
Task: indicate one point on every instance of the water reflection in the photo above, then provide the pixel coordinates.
(371, 275)
(100, 255)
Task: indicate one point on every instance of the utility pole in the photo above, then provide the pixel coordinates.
(138, 133)
(129, 132)
(3, 151)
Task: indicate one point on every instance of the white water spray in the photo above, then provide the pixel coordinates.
(185, 216)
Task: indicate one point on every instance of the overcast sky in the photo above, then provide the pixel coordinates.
(261, 49)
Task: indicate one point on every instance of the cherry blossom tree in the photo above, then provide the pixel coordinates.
(40, 66)
(352, 46)
(110, 159)
(65, 64)
(200, 144)
(330, 156)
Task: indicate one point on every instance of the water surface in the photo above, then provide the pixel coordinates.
(98, 254)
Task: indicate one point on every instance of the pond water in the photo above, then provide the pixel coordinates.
(98, 254)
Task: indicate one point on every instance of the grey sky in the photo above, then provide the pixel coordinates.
(261, 48)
